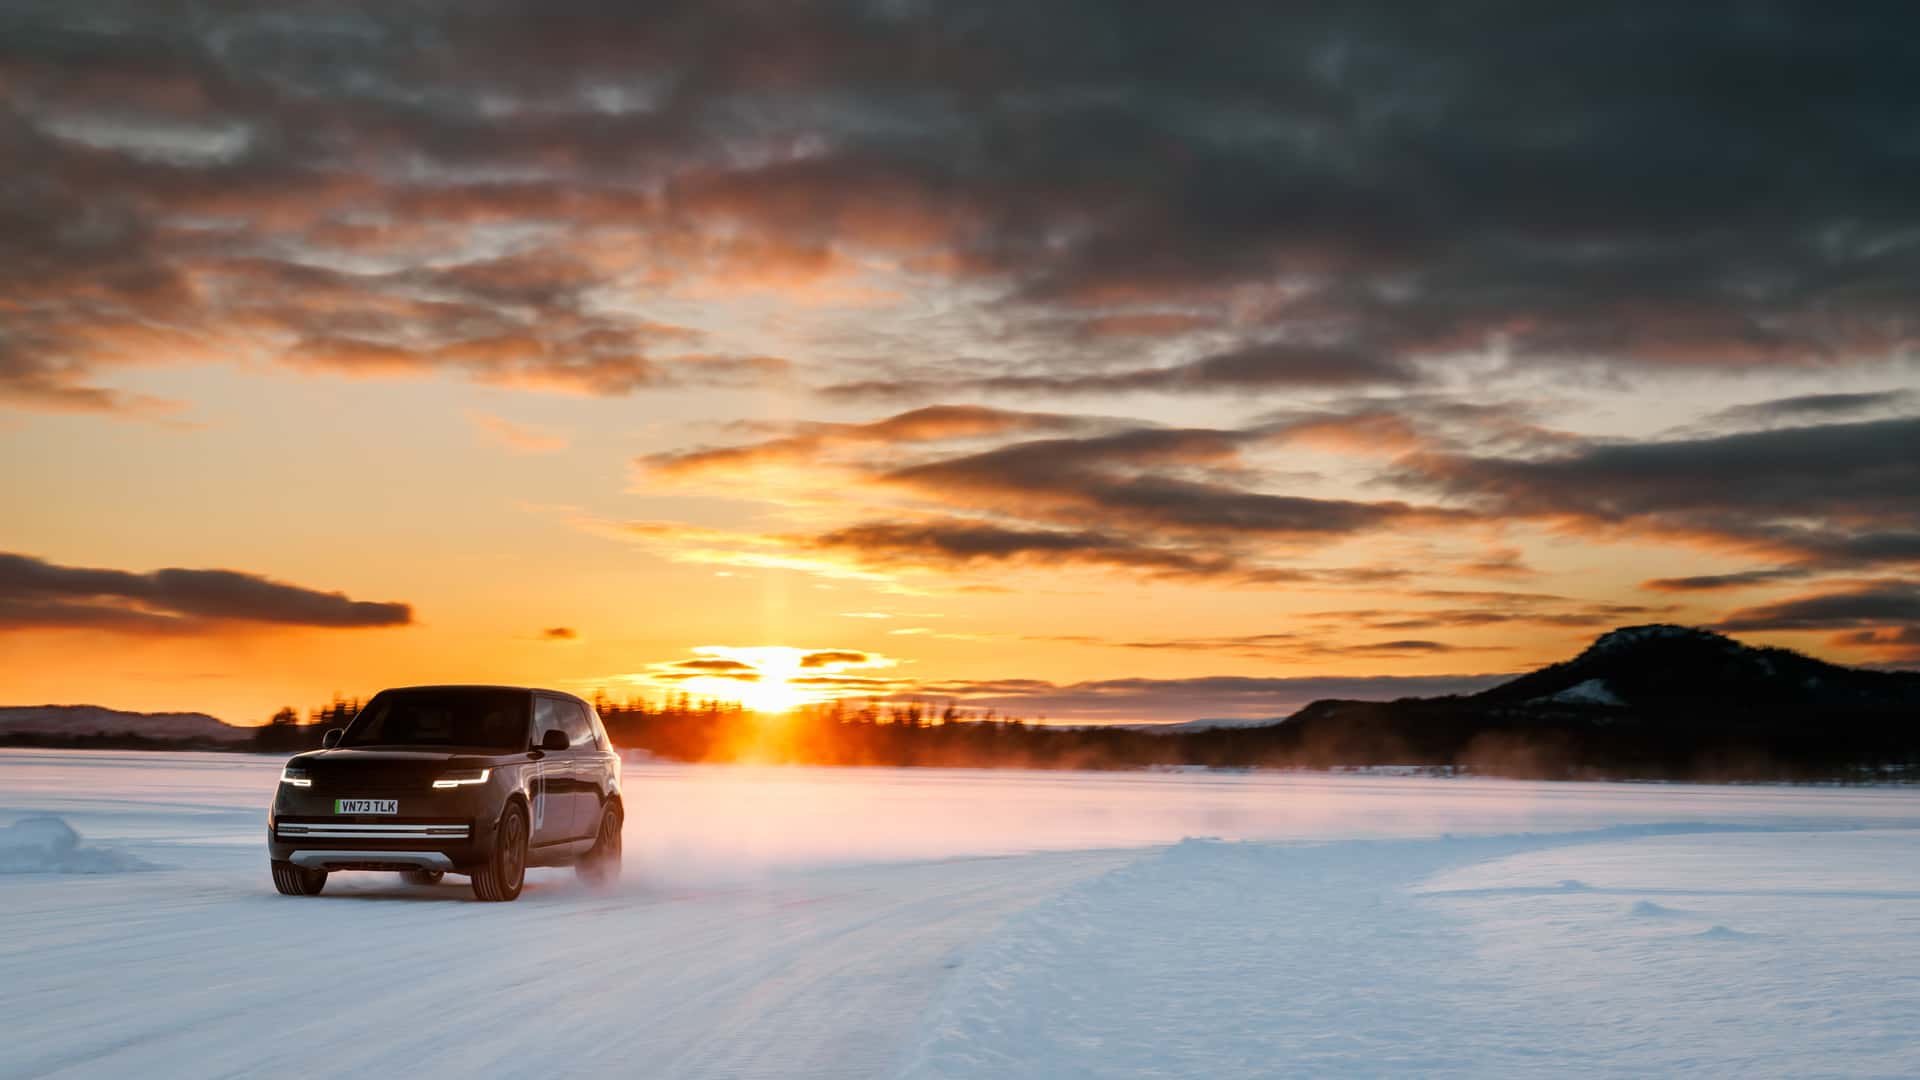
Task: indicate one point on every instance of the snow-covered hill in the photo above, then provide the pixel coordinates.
(77, 720)
(1661, 663)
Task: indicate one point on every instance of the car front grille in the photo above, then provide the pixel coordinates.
(351, 830)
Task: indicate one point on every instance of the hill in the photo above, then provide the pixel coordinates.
(1657, 701)
(80, 725)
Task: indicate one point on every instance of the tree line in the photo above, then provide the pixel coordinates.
(1447, 734)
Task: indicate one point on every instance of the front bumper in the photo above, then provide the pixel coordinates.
(319, 859)
(436, 830)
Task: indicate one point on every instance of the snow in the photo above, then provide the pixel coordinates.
(1590, 692)
(1457, 957)
(48, 845)
(871, 923)
(1627, 636)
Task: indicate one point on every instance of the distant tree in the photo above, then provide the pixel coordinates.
(280, 734)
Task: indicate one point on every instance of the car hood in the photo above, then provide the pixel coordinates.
(395, 767)
(401, 755)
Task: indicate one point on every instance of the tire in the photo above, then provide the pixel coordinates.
(422, 877)
(600, 867)
(499, 878)
(292, 880)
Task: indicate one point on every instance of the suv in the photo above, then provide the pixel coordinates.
(432, 780)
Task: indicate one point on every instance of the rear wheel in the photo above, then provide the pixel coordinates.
(500, 877)
(600, 867)
(422, 877)
(294, 880)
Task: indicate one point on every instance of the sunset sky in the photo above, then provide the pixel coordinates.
(1086, 361)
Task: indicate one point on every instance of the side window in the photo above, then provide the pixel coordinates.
(547, 716)
(573, 721)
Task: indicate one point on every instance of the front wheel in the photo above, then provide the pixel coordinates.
(500, 877)
(600, 867)
(294, 880)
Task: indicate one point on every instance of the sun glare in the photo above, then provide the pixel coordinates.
(764, 678)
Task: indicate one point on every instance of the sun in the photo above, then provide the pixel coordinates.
(771, 694)
(762, 681)
(765, 678)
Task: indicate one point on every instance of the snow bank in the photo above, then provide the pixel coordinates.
(48, 845)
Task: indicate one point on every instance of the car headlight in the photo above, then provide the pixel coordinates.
(463, 776)
(295, 777)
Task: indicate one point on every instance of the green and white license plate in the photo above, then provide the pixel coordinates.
(366, 806)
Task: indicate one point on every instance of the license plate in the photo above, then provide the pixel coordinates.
(366, 806)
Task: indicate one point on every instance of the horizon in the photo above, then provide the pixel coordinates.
(1108, 367)
(681, 700)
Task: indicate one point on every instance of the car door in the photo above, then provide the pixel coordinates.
(583, 753)
(552, 781)
(599, 769)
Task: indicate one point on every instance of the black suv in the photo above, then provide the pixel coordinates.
(430, 780)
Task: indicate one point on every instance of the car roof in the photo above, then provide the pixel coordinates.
(488, 686)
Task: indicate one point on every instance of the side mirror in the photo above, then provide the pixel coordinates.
(554, 740)
(332, 738)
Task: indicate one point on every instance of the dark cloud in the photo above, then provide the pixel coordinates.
(1712, 582)
(1177, 480)
(1173, 502)
(827, 658)
(807, 443)
(1278, 196)
(714, 667)
(1838, 494)
(950, 542)
(36, 593)
(559, 633)
(1252, 368)
(1878, 604)
(1815, 407)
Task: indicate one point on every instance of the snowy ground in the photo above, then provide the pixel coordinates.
(848, 923)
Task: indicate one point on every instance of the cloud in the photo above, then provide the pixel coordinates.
(1175, 480)
(1261, 198)
(1170, 502)
(812, 443)
(1835, 494)
(1713, 582)
(1814, 407)
(715, 667)
(559, 633)
(1871, 605)
(1896, 647)
(834, 659)
(1481, 609)
(1270, 366)
(1879, 618)
(38, 594)
(951, 542)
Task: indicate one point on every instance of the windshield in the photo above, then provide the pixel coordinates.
(494, 719)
